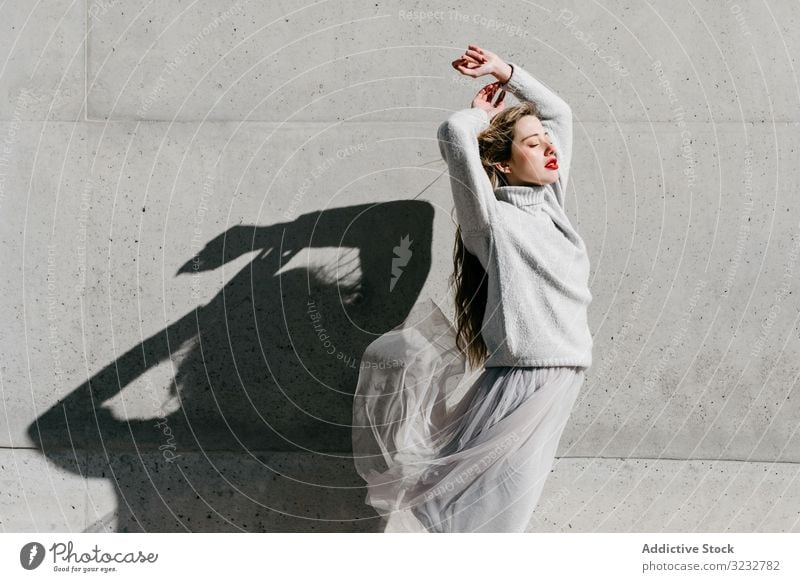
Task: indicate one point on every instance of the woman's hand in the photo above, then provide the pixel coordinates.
(485, 96)
(476, 62)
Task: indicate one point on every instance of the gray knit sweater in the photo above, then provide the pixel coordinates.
(536, 263)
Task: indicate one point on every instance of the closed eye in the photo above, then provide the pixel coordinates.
(547, 133)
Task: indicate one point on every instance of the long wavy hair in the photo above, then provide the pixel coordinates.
(469, 277)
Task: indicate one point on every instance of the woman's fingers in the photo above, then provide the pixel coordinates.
(476, 55)
(487, 93)
(470, 72)
(461, 68)
(469, 62)
(473, 63)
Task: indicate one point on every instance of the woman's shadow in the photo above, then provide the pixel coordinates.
(259, 434)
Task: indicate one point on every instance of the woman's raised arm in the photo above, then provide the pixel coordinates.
(556, 115)
(473, 194)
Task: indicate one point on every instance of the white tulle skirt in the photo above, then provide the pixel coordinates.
(445, 449)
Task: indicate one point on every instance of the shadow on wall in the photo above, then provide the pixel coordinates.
(267, 368)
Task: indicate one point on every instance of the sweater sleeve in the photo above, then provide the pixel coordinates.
(473, 194)
(556, 117)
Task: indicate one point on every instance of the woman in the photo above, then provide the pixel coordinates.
(438, 462)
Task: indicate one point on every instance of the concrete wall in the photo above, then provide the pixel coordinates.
(185, 183)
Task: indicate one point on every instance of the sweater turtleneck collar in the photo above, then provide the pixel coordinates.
(521, 195)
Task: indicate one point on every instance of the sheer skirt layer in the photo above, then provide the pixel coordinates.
(442, 450)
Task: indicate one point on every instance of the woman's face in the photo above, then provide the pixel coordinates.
(533, 157)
